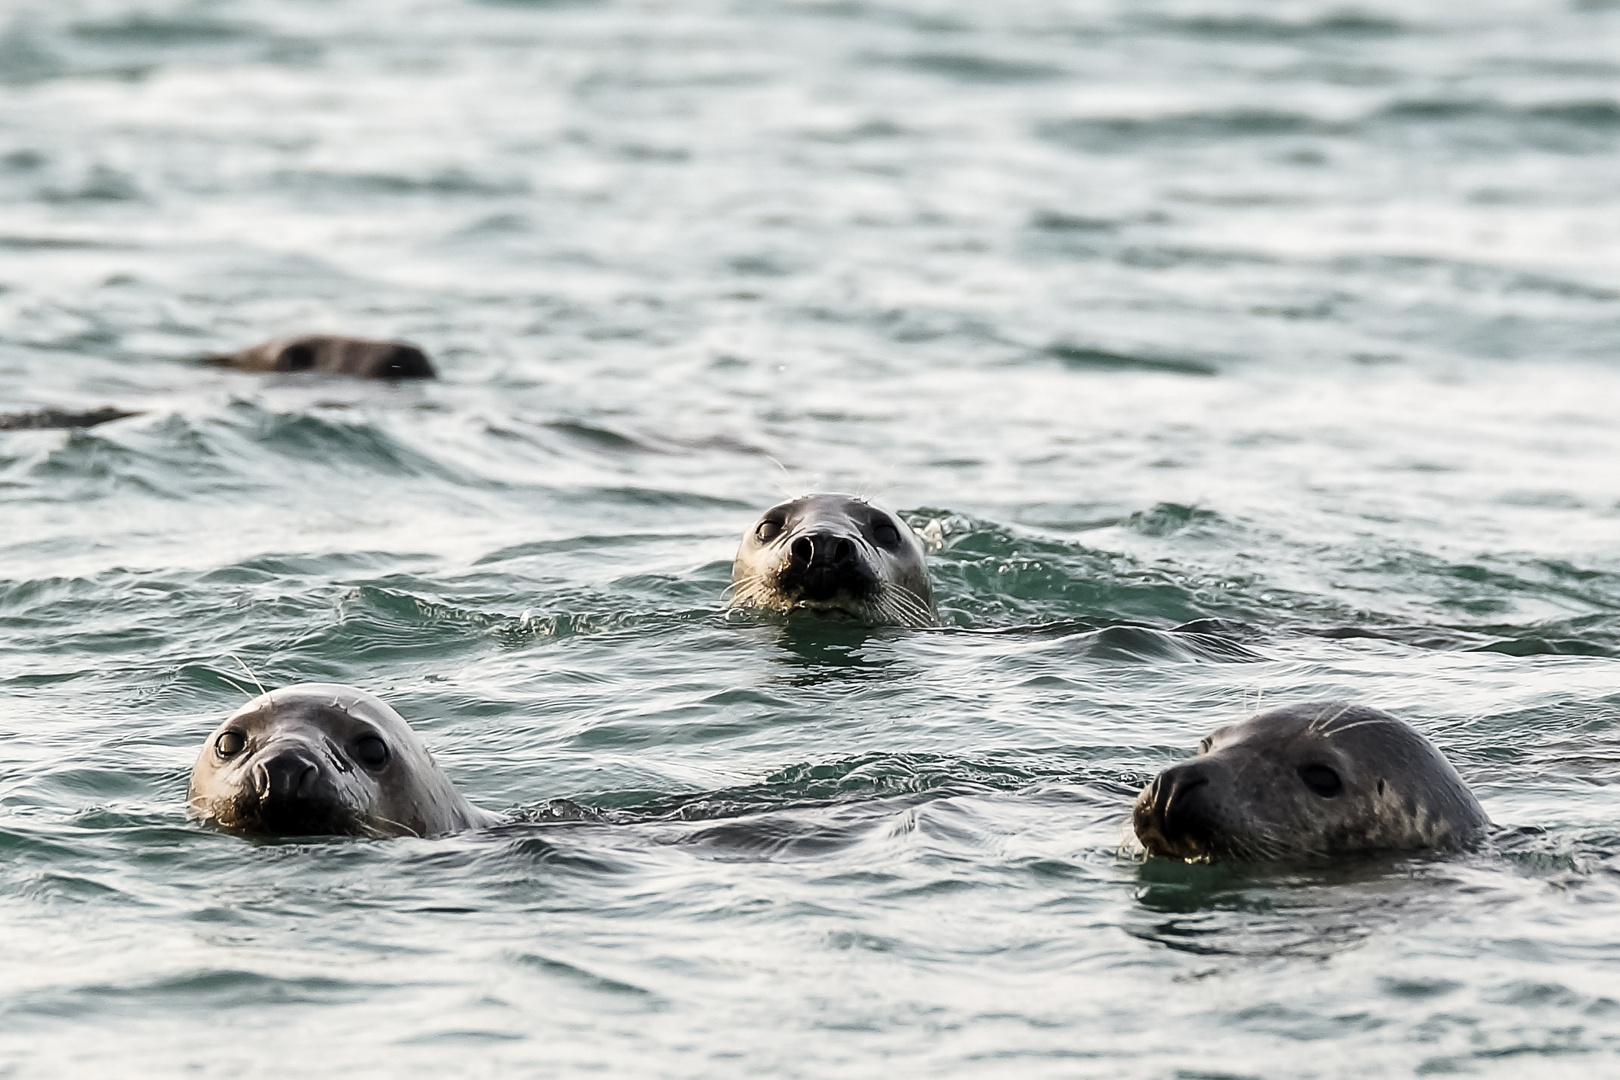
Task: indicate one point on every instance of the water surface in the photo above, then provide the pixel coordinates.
(1294, 314)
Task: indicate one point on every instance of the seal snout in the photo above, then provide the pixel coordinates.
(287, 774)
(823, 564)
(288, 792)
(1168, 816)
(820, 549)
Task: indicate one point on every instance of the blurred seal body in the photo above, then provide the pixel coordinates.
(332, 354)
(834, 553)
(1326, 778)
(319, 759)
(50, 419)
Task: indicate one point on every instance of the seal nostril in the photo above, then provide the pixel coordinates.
(823, 549)
(287, 774)
(1189, 780)
(1173, 786)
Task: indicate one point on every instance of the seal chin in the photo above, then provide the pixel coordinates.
(315, 816)
(850, 588)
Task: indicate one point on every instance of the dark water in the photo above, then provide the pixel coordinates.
(1298, 314)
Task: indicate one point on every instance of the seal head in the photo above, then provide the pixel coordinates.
(834, 553)
(332, 354)
(319, 759)
(1327, 778)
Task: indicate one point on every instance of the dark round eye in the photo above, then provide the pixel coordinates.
(885, 533)
(371, 751)
(229, 743)
(768, 530)
(1322, 780)
(296, 358)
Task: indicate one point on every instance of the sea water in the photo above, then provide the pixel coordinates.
(1303, 315)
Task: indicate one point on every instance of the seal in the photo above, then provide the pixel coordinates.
(320, 759)
(834, 553)
(332, 354)
(1322, 779)
(52, 419)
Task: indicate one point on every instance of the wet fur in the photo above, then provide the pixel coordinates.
(406, 796)
(1398, 792)
(331, 354)
(889, 586)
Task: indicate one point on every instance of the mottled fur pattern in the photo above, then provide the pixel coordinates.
(323, 759)
(1308, 781)
(834, 554)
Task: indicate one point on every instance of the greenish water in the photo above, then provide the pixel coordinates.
(1288, 313)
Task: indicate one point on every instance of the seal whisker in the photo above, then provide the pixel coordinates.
(744, 583)
(236, 684)
(322, 759)
(744, 590)
(908, 614)
(247, 669)
(1332, 732)
(902, 606)
(405, 830)
(908, 601)
(1308, 781)
(1320, 725)
(833, 553)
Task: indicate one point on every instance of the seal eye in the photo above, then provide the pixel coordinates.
(1322, 780)
(299, 357)
(886, 534)
(229, 743)
(768, 530)
(371, 751)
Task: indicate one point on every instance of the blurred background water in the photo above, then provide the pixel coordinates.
(1293, 313)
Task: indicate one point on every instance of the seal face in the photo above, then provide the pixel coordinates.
(333, 354)
(834, 553)
(1327, 778)
(319, 759)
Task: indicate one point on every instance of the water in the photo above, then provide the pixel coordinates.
(1291, 313)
